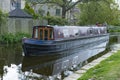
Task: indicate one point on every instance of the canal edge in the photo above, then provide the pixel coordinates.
(79, 73)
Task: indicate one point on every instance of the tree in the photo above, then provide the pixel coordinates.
(66, 5)
(30, 11)
(99, 11)
(54, 20)
(2, 17)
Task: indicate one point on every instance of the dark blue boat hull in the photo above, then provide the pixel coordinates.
(63, 47)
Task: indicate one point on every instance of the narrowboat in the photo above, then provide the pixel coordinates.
(54, 40)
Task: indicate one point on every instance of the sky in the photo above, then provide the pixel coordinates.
(118, 1)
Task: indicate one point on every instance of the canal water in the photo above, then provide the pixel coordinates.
(15, 66)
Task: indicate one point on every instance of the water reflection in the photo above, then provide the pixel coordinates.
(13, 66)
(9, 55)
(115, 43)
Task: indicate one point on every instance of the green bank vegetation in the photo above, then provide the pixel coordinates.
(10, 38)
(106, 70)
(112, 29)
(99, 11)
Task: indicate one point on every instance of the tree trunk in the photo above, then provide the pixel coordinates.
(63, 12)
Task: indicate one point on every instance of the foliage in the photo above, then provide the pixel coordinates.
(3, 18)
(106, 70)
(113, 29)
(66, 5)
(30, 11)
(53, 20)
(99, 11)
(12, 38)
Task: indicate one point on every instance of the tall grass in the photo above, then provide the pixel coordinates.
(10, 38)
(106, 70)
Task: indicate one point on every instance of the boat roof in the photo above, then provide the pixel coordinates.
(69, 26)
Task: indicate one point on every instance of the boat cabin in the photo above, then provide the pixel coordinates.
(43, 33)
(61, 32)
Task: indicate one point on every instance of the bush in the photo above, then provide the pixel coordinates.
(114, 29)
(3, 17)
(12, 38)
(52, 20)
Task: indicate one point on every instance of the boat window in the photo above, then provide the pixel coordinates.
(46, 34)
(51, 34)
(95, 31)
(91, 31)
(36, 33)
(66, 34)
(98, 31)
(76, 32)
(41, 34)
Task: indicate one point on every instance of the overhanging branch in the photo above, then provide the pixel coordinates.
(68, 8)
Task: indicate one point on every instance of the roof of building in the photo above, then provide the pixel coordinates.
(19, 13)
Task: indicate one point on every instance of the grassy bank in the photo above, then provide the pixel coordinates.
(12, 38)
(108, 69)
